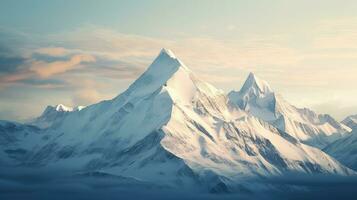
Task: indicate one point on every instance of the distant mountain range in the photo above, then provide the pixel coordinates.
(53, 114)
(170, 128)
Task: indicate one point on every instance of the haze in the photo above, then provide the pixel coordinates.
(81, 52)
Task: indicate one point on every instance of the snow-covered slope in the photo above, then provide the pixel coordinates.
(16, 141)
(170, 127)
(345, 150)
(350, 121)
(53, 114)
(257, 98)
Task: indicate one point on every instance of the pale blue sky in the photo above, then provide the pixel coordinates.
(80, 52)
(165, 17)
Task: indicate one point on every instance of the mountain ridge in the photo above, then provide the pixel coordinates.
(302, 123)
(53, 114)
(173, 128)
(350, 121)
(345, 148)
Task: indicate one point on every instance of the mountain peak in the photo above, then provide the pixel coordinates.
(350, 121)
(165, 65)
(167, 52)
(57, 108)
(251, 75)
(165, 60)
(63, 108)
(54, 113)
(255, 85)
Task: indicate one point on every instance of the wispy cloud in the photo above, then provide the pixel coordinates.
(52, 51)
(105, 60)
(45, 69)
(336, 34)
(86, 96)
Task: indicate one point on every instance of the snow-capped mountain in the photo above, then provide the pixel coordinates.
(257, 98)
(169, 127)
(350, 121)
(53, 114)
